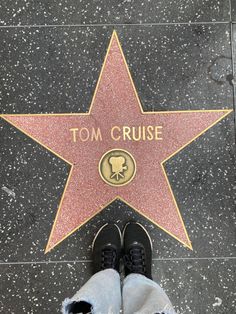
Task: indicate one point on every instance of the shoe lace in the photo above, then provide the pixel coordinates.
(108, 258)
(135, 260)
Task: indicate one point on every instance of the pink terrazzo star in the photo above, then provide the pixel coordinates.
(115, 103)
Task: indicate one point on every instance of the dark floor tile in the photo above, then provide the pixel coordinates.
(87, 12)
(233, 10)
(203, 286)
(50, 69)
(202, 177)
(174, 67)
(32, 181)
(234, 58)
(180, 66)
(39, 288)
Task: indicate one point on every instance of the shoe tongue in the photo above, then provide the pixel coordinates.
(136, 245)
(109, 248)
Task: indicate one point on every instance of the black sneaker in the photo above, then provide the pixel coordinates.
(106, 248)
(137, 250)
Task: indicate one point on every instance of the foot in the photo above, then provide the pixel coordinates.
(137, 250)
(107, 248)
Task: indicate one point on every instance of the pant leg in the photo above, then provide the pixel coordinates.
(144, 296)
(102, 291)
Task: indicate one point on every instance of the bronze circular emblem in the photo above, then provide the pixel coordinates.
(117, 167)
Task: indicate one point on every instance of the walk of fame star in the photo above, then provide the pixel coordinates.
(116, 150)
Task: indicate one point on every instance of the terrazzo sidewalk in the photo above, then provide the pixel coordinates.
(182, 56)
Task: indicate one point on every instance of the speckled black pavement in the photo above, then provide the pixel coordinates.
(182, 56)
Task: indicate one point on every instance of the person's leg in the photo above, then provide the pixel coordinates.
(141, 294)
(102, 293)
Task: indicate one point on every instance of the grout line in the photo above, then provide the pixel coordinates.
(232, 48)
(230, 11)
(232, 59)
(234, 74)
(195, 258)
(110, 24)
(46, 262)
(154, 259)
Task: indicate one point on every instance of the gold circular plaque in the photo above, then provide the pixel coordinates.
(117, 167)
